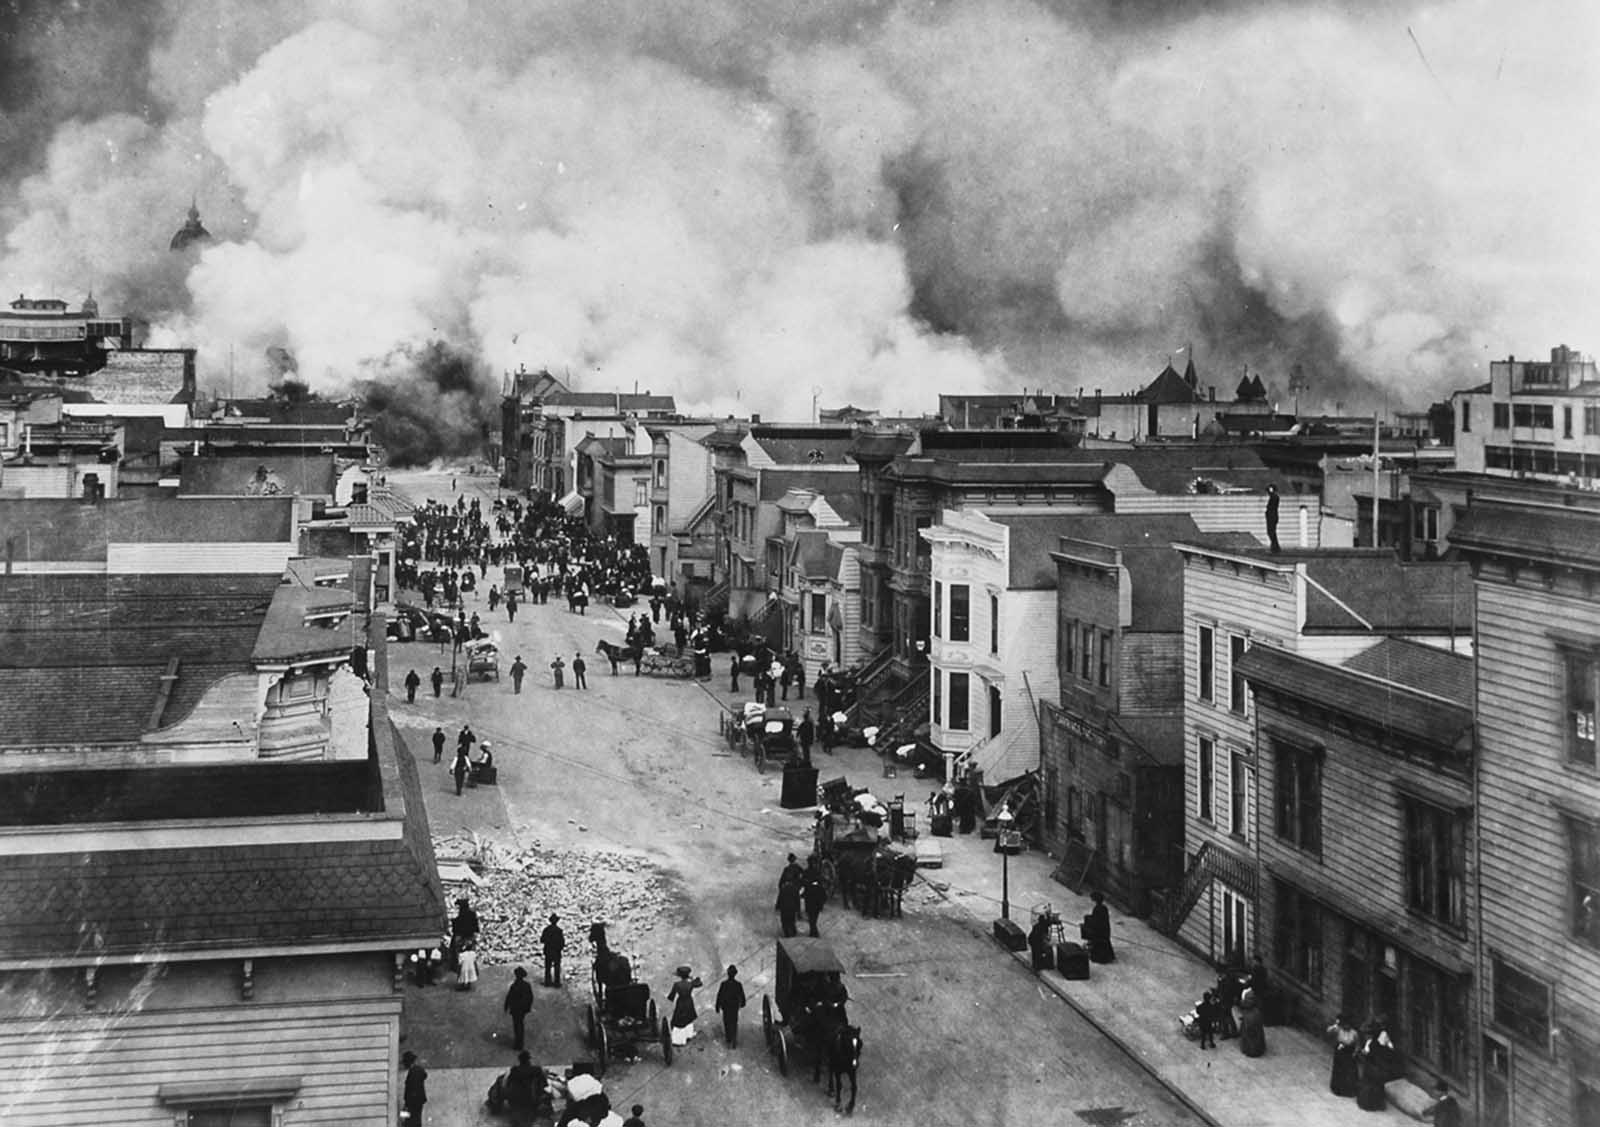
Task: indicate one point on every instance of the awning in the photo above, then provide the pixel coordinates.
(572, 504)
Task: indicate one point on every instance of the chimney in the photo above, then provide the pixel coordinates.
(1211, 393)
(755, 420)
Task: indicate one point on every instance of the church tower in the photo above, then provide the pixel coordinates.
(192, 233)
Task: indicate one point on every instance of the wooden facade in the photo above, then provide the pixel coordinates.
(1538, 807)
(1366, 898)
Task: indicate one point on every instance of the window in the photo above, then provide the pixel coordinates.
(1538, 415)
(1208, 769)
(1466, 416)
(1502, 416)
(1207, 657)
(661, 519)
(938, 609)
(960, 612)
(938, 697)
(819, 612)
(661, 472)
(1436, 858)
(1566, 422)
(1582, 673)
(995, 714)
(994, 624)
(1297, 935)
(1236, 685)
(1086, 652)
(1299, 797)
(959, 705)
(1584, 840)
(1427, 524)
(1434, 1028)
(641, 493)
(1239, 796)
(239, 1115)
(1069, 648)
(1105, 658)
(1591, 420)
(1521, 1005)
(1074, 813)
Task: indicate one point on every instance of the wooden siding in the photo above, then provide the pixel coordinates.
(194, 559)
(1523, 776)
(1150, 673)
(1233, 512)
(107, 1068)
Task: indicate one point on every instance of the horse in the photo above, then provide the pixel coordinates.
(615, 654)
(611, 968)
(843, 1049)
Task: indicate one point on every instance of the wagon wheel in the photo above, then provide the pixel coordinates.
(650, 1013)
(596, 988)
(830, 877)
(766, 1020)
(666, 1039)
(594, 1028)
(783, 1052)
(761, 755)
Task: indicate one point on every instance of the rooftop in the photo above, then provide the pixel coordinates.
(59, 530)
(258, 473)
(1560, 537)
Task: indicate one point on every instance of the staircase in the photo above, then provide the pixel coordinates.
(869, 680)
(715, 600)
(1208, 865)
(767, 620)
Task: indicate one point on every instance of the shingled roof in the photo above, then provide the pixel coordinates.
(380, 890)
(62, 530)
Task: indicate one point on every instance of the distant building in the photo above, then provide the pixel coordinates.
(42, 336)
(193, 233)
(1533, 419)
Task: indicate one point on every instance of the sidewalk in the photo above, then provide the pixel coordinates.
(1136, 1002)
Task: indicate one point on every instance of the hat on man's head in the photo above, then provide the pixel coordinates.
(685, 971)
(408, 1058)
(554, 918)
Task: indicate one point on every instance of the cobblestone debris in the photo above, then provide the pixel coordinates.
(517, 890)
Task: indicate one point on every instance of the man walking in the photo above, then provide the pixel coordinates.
(554, 941)
(815, 895)
(437, 680)
(788, 907)
(460, 768)
(730, 1000)
(511, 606)
(438, 745)
(805, 732)
(518, 672)
(416, 1092)
(465, 739)
(579, 668)
(733, 673)
(413, 683)
(519, 1000)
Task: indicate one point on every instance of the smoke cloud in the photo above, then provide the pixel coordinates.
(749, 203)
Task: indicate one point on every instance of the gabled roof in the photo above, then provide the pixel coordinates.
(802, 446)
(1393, 707)
(1172, 470)
(776, 483)
(308, 621)
(1427, 669)
(252, 473)
(379, 892)
(1392, 597)
(1168, 387)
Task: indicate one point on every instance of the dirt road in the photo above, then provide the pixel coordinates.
(623, 801)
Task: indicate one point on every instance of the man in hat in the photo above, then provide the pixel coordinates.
(416, 1091)
(730, 1000)
(438, 744)
(413, 683)
(579, 668)
(464, 928)
(554, 941)
(519, 1000)
(519, 670)
(436, 679)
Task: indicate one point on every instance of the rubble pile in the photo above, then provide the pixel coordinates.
(515, 891)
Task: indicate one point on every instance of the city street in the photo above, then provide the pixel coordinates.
(954, 1031)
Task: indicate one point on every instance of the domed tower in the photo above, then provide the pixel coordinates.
(192, 233)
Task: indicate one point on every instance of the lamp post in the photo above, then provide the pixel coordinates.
(1005, 819)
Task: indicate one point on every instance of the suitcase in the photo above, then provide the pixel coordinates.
(940, 824)
(1010, 935)
(1072, 961)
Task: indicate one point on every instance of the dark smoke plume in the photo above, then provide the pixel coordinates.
(429, 403)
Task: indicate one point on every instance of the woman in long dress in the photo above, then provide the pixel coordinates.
(1346, 1038)
(1252, 1025)
(683, 1012)
(1097, 930)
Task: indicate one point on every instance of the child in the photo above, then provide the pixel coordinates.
(1206, 1011)
(467, 972)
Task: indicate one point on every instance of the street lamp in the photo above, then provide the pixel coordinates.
(1003, 842)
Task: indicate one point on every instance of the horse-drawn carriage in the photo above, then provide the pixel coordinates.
(811, 1015)
(622, 1015)
(767, 732)
(859, 864)
(482, 660)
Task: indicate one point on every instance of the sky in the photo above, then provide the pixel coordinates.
(756, 205)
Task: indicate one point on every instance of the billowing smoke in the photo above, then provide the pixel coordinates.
(427, 403)
(749, 203)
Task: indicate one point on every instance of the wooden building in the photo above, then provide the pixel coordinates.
(1367, 904)
(1112, 741)
(1537, 577)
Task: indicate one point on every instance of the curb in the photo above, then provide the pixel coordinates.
(1127, 1050)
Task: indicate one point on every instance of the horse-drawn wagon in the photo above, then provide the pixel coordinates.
(858, 862)
(811, 1015)
(622, 1015)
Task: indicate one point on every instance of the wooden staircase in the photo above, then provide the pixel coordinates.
(1208, 865)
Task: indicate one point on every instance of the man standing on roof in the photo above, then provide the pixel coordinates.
(1272, 518)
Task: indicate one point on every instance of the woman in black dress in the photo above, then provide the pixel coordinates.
(1097, 930)
(1346, 1038)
